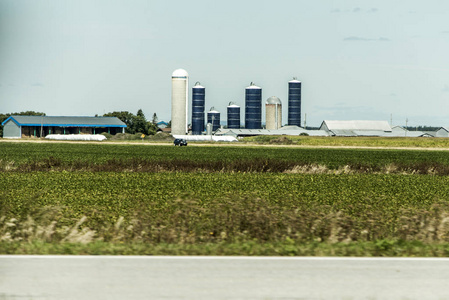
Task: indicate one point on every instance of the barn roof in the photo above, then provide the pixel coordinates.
(66, 121)
(356, 125)
(281, 131)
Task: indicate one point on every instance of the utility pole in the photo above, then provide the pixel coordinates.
(406, 125)
(42, 124)
(305, 121)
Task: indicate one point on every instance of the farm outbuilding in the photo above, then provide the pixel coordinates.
(356, 128)
(286, 130)
(37, 126)
(442, 132)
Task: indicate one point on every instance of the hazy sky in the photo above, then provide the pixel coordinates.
(356, 59)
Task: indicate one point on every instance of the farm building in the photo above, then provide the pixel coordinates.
(442, 132)
(162, 124)
(398, 131)
(35, 126)
(369, 128)
(286, 130)
(356, 128)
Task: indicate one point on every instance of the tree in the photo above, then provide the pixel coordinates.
(141, 114)
(141, 124)
(155, 119)
(152, 128)
(126, 117)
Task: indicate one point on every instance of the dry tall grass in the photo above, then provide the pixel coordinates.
(251, 166)
(186, 221)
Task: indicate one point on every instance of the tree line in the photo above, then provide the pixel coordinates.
(136, 123)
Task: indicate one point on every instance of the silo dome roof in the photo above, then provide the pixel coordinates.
(180, 73)
(198, 85)
(213, 111)
(273, 100)
(253, 86)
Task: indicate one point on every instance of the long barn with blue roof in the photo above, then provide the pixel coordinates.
(37, 126)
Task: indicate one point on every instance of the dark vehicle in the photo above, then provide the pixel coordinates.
(180, 142)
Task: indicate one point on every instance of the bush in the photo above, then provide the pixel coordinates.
(162, 137)
(262, 139)
(107, 135)
(282, 141)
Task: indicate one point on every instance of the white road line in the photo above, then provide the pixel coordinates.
(314, 258)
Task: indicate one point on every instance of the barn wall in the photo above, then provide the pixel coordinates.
(442, 133)
(11, 130)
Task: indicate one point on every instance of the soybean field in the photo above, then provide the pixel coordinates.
(73, 198)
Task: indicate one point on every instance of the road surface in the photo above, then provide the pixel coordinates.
(132, 277)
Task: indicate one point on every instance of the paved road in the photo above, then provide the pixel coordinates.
(107, 277)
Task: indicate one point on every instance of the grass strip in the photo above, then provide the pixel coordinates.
(379, 248)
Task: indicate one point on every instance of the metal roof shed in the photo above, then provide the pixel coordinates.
(355, 127)
(442, 132)
(29, 126)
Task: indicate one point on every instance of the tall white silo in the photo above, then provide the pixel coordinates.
(273, 110)
(179, 103)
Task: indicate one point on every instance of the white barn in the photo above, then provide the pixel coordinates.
(356, 128)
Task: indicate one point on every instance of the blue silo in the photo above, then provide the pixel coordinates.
(198, 102)
(213, 117)
(294, 102)
(253, 107)
(233, 116)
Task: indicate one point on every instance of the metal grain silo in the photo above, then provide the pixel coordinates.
(294, 102)
(209, 129)
(213, 117)
(253, 107)
(233, 115)
(198, 102)
(179, 104)
(273, 110)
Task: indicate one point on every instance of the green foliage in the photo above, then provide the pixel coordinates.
(154, 119)
(193, 208)
(107, 135)
(124, 116)
(226, 158)
(282, 140)
(135, 123)
(146, 199)
(411, 142)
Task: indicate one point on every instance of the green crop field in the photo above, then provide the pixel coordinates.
(73, 156)
(70, 198)
(408, 142)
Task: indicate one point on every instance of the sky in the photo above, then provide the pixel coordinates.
(357, 60)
